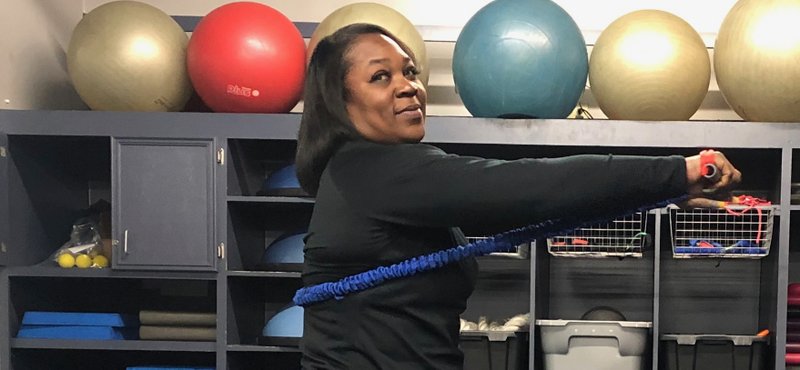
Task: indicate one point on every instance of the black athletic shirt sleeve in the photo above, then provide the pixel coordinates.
(420, 185)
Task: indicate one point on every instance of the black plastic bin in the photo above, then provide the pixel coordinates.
(713, 352)
(494, 350)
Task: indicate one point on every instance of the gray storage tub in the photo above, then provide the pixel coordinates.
(596, 345)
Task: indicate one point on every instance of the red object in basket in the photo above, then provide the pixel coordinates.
(704, 244)
(793, 358)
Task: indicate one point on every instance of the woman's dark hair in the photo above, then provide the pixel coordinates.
(325, 125)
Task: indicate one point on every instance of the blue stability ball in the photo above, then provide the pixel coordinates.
(287, 323)
(284, 178)
(520, 58)
(288, 248)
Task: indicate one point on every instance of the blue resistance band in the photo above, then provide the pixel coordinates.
(503, 242)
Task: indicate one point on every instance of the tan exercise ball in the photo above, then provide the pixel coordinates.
(129, 56)
(757, 60)
(649, 65)
(380, 15)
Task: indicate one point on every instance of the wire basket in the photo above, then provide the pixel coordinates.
(520, 252)
(622, 237)
(731, 232)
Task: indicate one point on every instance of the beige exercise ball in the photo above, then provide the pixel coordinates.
(129, 56)
(757, 60)
(649, 65)
(380, 15)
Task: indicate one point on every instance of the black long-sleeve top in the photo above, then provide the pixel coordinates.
(380, 204)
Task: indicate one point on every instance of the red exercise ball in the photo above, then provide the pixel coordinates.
(247, 57)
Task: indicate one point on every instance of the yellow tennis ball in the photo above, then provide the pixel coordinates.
(66, 260)
(100, 260)
(83, 261)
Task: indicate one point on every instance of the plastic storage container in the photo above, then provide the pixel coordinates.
(597, 345)
(494, 350)
(713, 352)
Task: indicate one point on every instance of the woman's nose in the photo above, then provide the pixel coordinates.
(407, 88)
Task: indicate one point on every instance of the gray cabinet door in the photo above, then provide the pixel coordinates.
(5, 221)
(163, 204)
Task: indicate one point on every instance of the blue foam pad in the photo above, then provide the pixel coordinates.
(76, 332)
(286, 249)
(287, 323)
(79, 319)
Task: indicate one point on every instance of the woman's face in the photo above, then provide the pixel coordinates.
(386, 101)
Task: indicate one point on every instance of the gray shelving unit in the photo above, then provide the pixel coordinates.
(51, 160)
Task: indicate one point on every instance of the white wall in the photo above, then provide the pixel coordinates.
(49, 33)
(33, 69)
(705, 16)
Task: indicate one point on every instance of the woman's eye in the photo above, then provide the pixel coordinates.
(412, 71)
(380, 76)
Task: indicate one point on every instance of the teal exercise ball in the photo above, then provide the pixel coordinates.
(520, 59)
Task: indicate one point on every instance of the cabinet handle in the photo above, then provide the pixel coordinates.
(125, 242)
(221, 156)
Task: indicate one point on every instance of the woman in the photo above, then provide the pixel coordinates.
(382, 197)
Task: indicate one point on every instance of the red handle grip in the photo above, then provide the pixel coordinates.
(708, 167)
